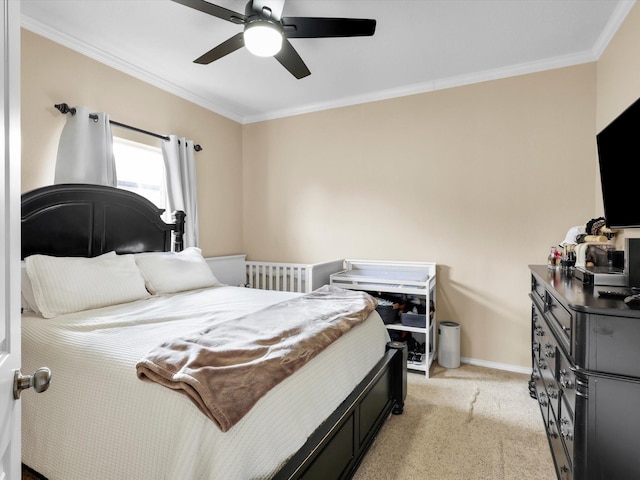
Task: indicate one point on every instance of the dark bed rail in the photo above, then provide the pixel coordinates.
(334, 451)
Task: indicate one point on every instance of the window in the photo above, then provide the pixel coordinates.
(140, 169)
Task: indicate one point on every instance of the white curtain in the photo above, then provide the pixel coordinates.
(85, 150)
(179, 162)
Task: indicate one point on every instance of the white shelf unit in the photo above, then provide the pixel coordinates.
(410, 278)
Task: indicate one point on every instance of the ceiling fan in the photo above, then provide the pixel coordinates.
(266, 31)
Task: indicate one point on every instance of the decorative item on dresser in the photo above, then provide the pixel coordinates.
(99, 421)
(586, 375)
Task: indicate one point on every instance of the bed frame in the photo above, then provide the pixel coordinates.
(88, 220)
(80, 220)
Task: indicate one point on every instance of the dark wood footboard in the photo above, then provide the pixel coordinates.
(336, 448)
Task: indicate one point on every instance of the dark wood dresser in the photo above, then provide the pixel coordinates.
(586, 376)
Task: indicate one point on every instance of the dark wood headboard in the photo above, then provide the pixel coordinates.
(82, 220)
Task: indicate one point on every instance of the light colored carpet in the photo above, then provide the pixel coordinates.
(467, 423)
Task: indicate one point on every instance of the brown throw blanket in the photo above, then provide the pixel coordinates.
(227, 368)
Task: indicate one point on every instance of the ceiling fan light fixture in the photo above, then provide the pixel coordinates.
(262, 38)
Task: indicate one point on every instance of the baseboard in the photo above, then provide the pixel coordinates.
(497, 366)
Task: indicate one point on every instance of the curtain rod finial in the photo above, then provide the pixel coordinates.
(64, 108)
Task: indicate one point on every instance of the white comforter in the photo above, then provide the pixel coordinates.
(99, 421)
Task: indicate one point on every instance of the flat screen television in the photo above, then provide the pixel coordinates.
(619, 156)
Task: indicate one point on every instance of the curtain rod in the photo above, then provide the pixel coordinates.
(64, 108)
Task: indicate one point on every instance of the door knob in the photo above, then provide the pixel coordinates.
(40, 381)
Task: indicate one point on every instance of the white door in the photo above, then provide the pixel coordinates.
(9, 237)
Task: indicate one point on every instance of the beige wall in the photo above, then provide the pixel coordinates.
(618, 87)
(619, 71)
(54, 74)
(481, 179)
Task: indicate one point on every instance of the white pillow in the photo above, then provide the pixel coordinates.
(167, 272)
(71, 284)
(28, 300)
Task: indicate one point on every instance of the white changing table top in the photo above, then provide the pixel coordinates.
(390, 276)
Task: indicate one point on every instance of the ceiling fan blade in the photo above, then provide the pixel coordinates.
(289, 59)
(274, 7)
(225, 48)
(214, 10)
(310, 27)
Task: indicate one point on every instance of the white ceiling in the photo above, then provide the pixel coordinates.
(419, 46)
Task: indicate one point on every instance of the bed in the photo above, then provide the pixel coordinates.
(99, 419)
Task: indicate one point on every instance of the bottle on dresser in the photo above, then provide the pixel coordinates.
(553, 260)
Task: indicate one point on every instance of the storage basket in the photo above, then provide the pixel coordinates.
(388, 313)
(414, 319)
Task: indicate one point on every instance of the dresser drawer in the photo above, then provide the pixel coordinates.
(537, 289)
(561, 317)
(567, 381)
(566, 427)
(541, 395)
(547, 342)
(536, 332)
(564, 468)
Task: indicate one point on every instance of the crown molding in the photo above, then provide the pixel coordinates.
(622, 10)
(615, 21)
(106, 58)
(441, 84)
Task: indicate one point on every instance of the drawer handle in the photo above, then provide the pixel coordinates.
(549, 303)
(549, 351)
(541, 399)
(566, 435)
(567, 384)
